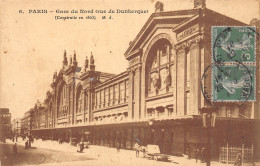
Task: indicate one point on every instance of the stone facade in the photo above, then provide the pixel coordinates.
(158, 99)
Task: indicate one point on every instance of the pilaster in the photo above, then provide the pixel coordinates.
(194, 79)
(181, 75)
(130, 94)
(137, 92)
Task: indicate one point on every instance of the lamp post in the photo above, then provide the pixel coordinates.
(151, 139)
(16, 131)
(208, 120)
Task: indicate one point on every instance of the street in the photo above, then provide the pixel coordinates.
(35, 156)
(50, 153)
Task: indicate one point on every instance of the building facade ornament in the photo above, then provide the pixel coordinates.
(70, 60)
(65, 60)
(75, 63)
(92, 61)
(86, 62)
(159, 6)
(188, 43)
(168, 79)
(156, 81)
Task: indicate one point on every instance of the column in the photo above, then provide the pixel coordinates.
(194, 79)
(174, 79)
(181, 75)
(130, 94)
(137, 90)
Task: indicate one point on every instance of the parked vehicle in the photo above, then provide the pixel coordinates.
(74, 141)
(153, 152)
(86, 144)
(80, 147)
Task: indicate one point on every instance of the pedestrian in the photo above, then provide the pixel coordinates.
(203, 155)
(197, 154)
(137, 146)
(15, 148)
(188, 152)
(26, 145)
(238, 161)
(118, 146)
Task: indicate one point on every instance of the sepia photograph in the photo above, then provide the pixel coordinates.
(129, 82)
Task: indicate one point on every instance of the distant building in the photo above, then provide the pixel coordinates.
(39, 116)
(5, 123)
(16, 126)
(26, 123)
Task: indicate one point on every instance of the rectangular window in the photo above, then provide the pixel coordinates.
(116, 94)
(86, 101)
(122, 92)
(111, 92)
(106, 97)
(126, 91)
(98, 99)
(102, 98)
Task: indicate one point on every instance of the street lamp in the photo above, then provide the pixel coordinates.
(208, 121)
(16, 130)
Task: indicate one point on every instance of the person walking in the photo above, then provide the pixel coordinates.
(118, 146)
(238, 161)
(137, 146)
(197, 154)
(26, 145)
(188, 152)
(15, 148)
(203, 155)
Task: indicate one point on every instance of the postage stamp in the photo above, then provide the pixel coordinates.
(233, 82)
(233, 63)
(233, 44)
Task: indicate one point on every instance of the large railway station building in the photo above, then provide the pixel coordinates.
(158, 99)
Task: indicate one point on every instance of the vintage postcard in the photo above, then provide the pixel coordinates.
(123, 83)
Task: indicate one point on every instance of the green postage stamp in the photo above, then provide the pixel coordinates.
(233, 63)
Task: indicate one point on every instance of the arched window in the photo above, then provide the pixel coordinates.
(79, 100)
(158, 68)
(62, 102)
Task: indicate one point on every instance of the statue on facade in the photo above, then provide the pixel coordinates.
(158, 7)
(75, 63)
(86, 62)
(199, 3)
(70, 60)
(65, 60)
(74, 57)
(168, 79)
(156, 81)
(54, 76)
(92, 61)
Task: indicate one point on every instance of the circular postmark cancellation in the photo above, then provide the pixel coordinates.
(230, 83)
(233, 65)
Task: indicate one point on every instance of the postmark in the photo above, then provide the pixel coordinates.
(233, 82)
(233, 64)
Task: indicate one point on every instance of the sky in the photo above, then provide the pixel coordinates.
(32, 45)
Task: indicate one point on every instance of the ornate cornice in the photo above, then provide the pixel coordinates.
(188, 43)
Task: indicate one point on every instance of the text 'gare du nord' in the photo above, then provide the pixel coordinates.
(157, 100)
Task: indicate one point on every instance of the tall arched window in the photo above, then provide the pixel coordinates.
(158, 68)
(62, 105)
(79, 100)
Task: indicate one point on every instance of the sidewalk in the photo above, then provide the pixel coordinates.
(110, 156)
